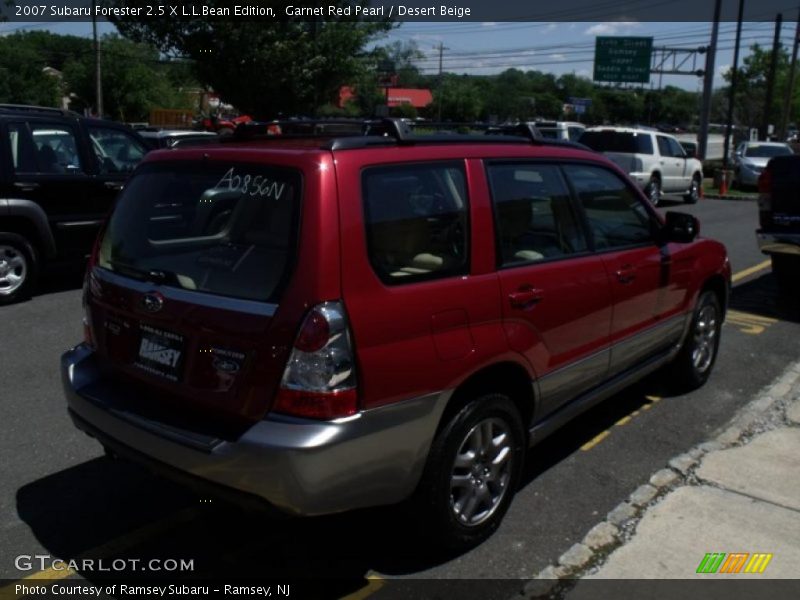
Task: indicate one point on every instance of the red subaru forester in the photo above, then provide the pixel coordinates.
(328, 323)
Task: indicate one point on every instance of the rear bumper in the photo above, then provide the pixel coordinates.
(300, 466)
(778, 243)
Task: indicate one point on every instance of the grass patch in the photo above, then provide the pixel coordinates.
(710, 188)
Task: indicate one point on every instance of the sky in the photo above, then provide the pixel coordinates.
(558, 48)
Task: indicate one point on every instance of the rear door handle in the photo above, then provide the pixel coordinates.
(113, 185)
(26, 186)
(525, 298)
(626, 274)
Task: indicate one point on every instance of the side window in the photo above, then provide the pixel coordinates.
(116, 151)
(676, 149)
(416, 221)
(574, 133)
(664, 148)
(23, 151)
(56, 149)
(615, 214)
(533, 214)
(43, 148)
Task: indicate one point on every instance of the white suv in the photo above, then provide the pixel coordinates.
(560, 130)
(656, 161)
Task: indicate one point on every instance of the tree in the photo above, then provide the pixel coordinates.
(22, 76)
(135, 80)
(263, 67)
(402, 55)
(751, 88)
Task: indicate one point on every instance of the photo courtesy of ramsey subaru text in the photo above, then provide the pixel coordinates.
(336, 318)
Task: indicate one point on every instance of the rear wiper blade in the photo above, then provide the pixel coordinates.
(157, 276)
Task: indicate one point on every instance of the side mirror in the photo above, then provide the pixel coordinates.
(680, 227)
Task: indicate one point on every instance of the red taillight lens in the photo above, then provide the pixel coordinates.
(319, 381)
(316, 405)
(314, 333)
(765, 181)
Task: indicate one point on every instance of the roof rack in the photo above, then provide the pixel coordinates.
(40, 109)
(345, 134)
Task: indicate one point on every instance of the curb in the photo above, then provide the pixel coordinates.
(748, 198)
(767, 411)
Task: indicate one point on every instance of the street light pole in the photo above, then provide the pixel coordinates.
(708, 84)
(97, 75)
(732, 90)
(787, 104)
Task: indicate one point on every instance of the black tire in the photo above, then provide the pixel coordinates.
(786, 269)
(692, 367)
(694, 190)
(19, 268)
(653, 190)
(435, 499)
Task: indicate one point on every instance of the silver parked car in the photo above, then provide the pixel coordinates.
(751, 158)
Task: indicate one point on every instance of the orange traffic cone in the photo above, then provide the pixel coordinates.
(723, 185)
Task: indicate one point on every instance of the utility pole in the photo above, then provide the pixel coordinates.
(787, 103)
(441, 48)
(771, 77)
(732, 90)
(708, 84)
(98, 78)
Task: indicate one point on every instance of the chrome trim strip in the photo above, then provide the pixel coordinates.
(68, 224)
(252, 307)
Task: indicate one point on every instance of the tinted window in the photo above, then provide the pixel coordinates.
(223, 228)
(618, 141)
(664, 148)
(676, 149)
(43, 149)
(416, 220)
(615, 214)
(552, 134)
(533, 214)
(116, 151)
(575, 133)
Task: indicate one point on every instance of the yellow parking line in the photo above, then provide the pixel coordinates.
(595, 440)
(754, 269)
(623, 421)
(109, 548)
(374, 583)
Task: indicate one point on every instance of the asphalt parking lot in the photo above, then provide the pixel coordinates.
(61, 496)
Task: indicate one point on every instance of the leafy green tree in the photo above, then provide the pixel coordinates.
(461, 98)
(135, 80)
(751, 88)
(22, 76)
(263, 67)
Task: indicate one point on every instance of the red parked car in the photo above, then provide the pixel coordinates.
(328, 324)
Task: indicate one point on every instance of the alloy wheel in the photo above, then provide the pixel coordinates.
(481, 471)
(13, 269)
(705, 334)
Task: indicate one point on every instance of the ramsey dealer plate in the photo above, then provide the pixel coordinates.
(160, 352)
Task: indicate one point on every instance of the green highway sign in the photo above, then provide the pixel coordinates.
(623, 59)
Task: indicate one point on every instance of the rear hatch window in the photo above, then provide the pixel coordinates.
(221, 228)
(617, 141)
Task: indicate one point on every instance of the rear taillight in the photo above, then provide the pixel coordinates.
(90, 285)
(765, 197)
(319, 381)
(765, 181)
